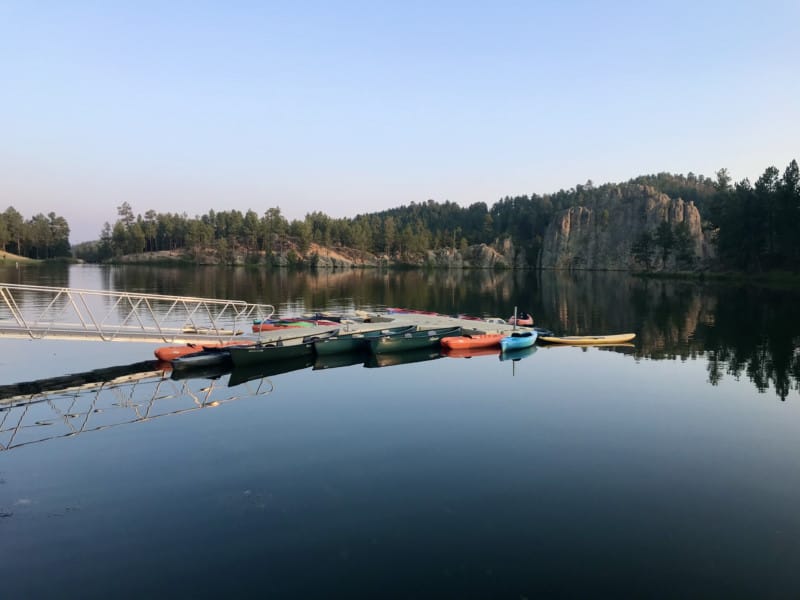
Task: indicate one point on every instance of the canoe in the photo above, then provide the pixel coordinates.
(170, 353)
(464, 342)
(518, 339)
(412, 340)
(356, 341)
(265, 352)
(589, 340)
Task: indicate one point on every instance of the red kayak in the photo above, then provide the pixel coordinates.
(522, 318)
(471, 352)
(170, 353)
(461, 342)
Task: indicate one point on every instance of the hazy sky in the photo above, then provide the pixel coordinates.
(352, 107)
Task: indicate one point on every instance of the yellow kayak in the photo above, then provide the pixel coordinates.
(588, 340)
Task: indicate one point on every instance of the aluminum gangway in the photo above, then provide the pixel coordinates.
(38, 312)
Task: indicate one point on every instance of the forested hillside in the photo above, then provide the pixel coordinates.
(39, 237)
(754, 226)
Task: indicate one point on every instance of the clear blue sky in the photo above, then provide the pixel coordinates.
(352, 107)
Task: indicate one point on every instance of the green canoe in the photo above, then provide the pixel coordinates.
(353, 342)
(412, 340)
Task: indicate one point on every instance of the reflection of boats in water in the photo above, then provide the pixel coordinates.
(346, 359)
(241, 375)
(518, 353)
(390, 359)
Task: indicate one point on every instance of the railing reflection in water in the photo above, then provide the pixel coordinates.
(70, 405)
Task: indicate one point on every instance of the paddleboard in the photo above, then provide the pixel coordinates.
(588, 340)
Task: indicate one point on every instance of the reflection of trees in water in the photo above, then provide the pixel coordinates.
(739, 330)
(457, 291)
(756, 332)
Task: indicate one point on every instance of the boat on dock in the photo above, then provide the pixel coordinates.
(206, 357)
(523, 319)
(412, 340)
(356, 341)
(470, 352)
(469, 341)
(279, 349)
(288, 323)
(170, 353)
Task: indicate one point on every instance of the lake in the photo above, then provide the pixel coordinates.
(667, 468)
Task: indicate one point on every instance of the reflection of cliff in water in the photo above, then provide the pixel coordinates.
(739, 330)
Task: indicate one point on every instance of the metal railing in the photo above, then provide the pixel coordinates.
(37, 312)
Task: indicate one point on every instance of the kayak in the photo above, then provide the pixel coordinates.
(473, 341)
(288, 323)
(521, 318)
(170, 353)
(589, 340)
(518, 339)
(470, 352)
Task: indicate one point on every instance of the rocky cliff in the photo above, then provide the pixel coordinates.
(600, 235)
(500, 255)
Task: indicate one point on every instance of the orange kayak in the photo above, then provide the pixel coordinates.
(170, 353)
(471, 352)
(462, 342)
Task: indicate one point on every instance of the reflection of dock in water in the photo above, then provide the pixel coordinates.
(64, 406)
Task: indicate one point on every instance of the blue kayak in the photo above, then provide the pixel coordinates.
(518, 339)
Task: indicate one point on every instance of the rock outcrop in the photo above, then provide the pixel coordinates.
(501, 255)
(600, 235)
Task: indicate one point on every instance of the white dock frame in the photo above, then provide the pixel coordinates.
(38, 312)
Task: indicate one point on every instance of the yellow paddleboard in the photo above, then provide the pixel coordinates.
(589, 340)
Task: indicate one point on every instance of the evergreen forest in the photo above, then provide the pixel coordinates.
(754, 225)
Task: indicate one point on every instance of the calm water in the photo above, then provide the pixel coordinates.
(666, 469)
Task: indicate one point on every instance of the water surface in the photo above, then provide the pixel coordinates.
(666, 469)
